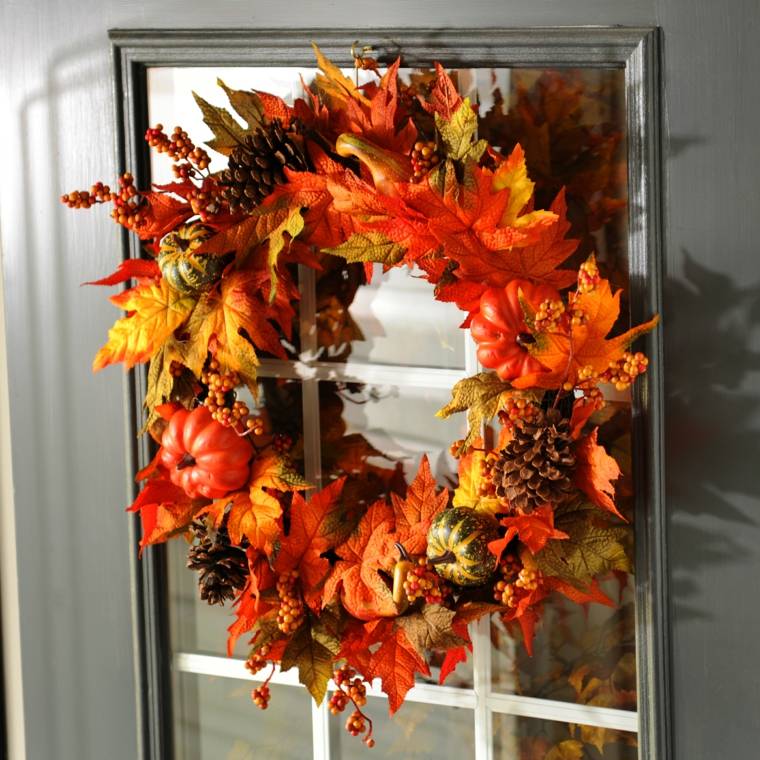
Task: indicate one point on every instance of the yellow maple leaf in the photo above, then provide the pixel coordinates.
(513, 175)
(155, 312)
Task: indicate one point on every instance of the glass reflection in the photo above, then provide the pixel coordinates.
(530, 739)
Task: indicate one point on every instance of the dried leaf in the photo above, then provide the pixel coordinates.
(594, 472)
(594, 546)
(480, 395)
(369, 246)
(431, 628)
(228, 134)
(311, 653)
(458, 132)
(247, 104)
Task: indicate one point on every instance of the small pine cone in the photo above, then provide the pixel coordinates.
(257, 166)
(222, 567)
(536, 465)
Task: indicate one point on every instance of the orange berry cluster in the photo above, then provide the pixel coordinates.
(257, 660)
(127, 203)
(624, 371)
(98, 193)
(424, 158)
(351, 688)
(588, 275)
(204, 203)
(261, 696)
(518, 409)
(486, 487)
(218, 399)
(282, 443)
(290, 615)
(548, 315)
(424, 583)
(180, 148)
(516, 581)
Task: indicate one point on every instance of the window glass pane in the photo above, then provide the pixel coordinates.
(415, 731)
(516, 738)
(386, 427)
(583, 656)
(214, 719)
(401, 323)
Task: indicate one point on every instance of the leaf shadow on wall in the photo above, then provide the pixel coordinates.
(713, 423)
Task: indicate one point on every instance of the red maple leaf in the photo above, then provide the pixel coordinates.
(533, 530)
(364, 592)
(308, 539)
(249, 606)
(416, 511)
(164, 213)
(131, 269)
(594, 472)
(444, 97)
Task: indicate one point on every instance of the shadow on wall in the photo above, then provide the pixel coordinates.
(712, 414)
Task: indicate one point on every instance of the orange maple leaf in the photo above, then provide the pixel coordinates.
(444, 98)
(249, 606)
(395, 663)
(255, 513)
(533, 530)
(165, 510)
(163, 214)
(308, 539)
(537, 260)
(155, 311)
(416, 511)
(594, 472)
(565, 353)
(364, 592)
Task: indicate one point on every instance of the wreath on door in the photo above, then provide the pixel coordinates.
(368, 577)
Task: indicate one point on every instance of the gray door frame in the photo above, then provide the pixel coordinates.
(634, 49)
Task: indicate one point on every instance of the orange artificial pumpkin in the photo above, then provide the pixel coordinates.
(204, 457)
(500, 331)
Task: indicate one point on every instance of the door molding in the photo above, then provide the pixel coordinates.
(638, 51)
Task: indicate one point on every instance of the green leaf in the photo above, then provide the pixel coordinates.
(369, 246)
(247, 104)
(480, 395)
(228, 134)
(311, 651)
(458, 133)
(430, 628)
(594, 546)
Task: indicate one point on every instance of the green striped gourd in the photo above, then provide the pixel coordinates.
(458, 546)
(184, 270)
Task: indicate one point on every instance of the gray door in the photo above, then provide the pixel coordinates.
(75, 619)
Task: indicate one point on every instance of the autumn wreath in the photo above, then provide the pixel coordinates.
(339, 585)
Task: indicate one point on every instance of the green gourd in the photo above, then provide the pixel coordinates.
(184, 270)
(458, 546)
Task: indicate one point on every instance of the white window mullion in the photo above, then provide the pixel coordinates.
(312, 448)
(481, 666)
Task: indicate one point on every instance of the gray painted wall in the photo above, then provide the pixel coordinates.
(67, 426)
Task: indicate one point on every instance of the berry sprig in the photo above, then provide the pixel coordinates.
(424, 157)
(588, 275)
(624, 371)
(424, 583)
(261, 695)
(180, 148)
(518, 409)
(220, 399)
(548, 315)
(257, 660)
(128, 204)
(516, 581)
(291, 612)
(351, 687)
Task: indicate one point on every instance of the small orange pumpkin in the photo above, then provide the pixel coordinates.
(204, 457)
(500, 331)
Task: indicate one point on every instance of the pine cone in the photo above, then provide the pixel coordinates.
(255, 168)
(223, 568)
(536, 465)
